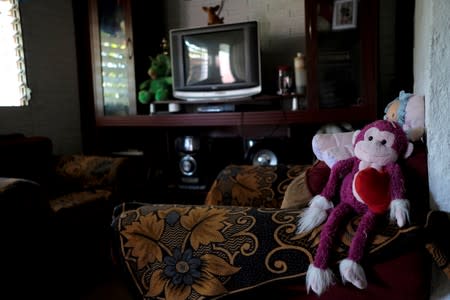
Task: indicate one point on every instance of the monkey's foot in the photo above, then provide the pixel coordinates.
(353, 273)
(318, 279)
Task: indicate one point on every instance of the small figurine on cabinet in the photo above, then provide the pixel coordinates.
(158, 86)
(213, 14)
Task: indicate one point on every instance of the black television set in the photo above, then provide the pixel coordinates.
(216, 62)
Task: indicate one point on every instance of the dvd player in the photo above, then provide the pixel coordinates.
(226, 107)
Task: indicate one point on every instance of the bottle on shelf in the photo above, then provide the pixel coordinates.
(284, 80)
(300, 73)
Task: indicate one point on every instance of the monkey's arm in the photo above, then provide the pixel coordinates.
(338, 172)
(319, 205)
(399, 206)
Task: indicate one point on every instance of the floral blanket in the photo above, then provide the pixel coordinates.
(198, 252)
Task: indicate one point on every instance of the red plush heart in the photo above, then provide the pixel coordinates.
(372, 187)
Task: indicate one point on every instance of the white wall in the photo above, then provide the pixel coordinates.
(432, 73)
(281, 19)
(49, 42)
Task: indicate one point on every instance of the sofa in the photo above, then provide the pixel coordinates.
(242, 242)
(58, 211)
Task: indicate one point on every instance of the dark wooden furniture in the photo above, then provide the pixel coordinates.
(112, 56)
(341, 63)
(348, 52)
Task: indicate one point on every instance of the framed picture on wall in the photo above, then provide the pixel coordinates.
(345, 14)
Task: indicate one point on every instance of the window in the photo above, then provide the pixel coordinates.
(13, 84)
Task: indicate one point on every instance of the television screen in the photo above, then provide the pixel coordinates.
(214, 60)
(217, 62)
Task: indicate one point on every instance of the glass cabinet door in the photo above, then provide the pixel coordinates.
(338, 55)
(112, 57)
(339, 33)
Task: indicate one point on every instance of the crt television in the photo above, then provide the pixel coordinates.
(217, 62)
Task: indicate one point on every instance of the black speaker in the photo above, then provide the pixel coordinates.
(265, 151)
(190, 162)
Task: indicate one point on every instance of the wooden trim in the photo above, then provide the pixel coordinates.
(277, 117)
(130, 66)
(95, 58)
(311, 54)
(369, 27)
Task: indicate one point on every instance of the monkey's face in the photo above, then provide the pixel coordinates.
(376, 147)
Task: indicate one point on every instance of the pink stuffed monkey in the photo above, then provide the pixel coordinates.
(371, 184)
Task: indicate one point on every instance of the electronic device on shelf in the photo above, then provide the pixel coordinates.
(221, 107)
(216, 62)
(191, 162)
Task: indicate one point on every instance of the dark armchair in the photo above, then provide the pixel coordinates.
(58, 210)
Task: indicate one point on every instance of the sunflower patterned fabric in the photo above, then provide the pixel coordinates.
(88, 171)
(256, 186)
(197, 252)
(241, 241)
(83, 179)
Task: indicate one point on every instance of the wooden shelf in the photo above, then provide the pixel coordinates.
(260, 116)
(253, 99)
(275, 117)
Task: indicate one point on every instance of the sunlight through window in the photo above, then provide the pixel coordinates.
(13, 84)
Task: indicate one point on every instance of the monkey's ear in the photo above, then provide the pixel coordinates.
(355, 134)
(205, 9)
(409, 150)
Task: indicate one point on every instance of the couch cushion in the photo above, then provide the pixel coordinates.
(77, 199)
(297, 193)
(405, 277)
(249, 185)
(80, 172)
(22, 197)
(308, 183)
(209, 251)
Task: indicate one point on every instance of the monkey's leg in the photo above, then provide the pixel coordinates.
(319, 276)
(350, 268)
(329, 232)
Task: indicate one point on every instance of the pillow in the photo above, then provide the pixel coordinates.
(302, 188)
(333, 147)
(297, 193)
